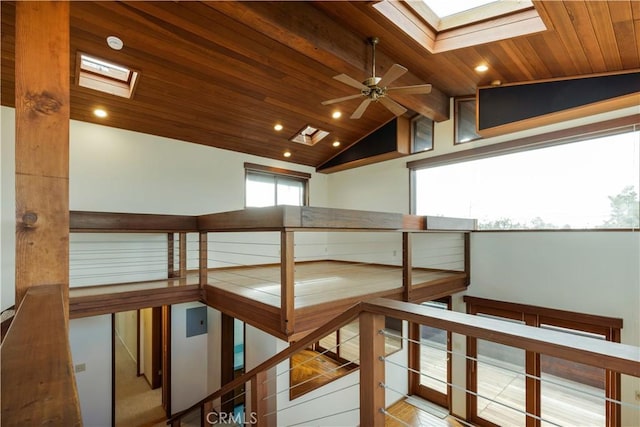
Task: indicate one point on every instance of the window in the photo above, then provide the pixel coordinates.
(273, 187)
(465, 120)
(588, 184)
(421, 134)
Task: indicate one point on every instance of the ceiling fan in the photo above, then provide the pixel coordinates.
(375, 88)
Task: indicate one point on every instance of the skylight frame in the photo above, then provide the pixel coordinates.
(121, 81)
(309, 135)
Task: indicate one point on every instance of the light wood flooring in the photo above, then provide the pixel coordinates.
(318, 282)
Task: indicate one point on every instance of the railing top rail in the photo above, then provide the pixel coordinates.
(38, 341)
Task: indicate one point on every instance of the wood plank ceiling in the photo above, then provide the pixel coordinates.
(223, 73)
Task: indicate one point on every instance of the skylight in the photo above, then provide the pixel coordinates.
(309, 135)
(443, 25)
(98, 74)
(444, 8)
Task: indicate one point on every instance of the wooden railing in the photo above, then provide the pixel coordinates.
(612, 356)
(38, 383)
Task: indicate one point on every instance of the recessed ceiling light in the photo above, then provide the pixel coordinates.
(482, 68)
(115, 43)
(336, 114)
(278, 127)
(98, 112)
(336, 143)
(287, 153)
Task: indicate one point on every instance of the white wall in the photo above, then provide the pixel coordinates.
(7, 208)
(188, 360)
(90, 341)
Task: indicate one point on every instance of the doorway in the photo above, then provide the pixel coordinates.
(140, 352)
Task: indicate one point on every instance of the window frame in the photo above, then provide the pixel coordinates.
(456, 119)
(625, 124)
(302, 177)
(413, 134)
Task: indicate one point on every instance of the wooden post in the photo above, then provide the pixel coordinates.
(204, 258)
(407, 264)
(207, 408)
(182, 255)
(287, 282)
(42, 146)
(467, 257)
(257, 416)
(371, 370)
(171, 271)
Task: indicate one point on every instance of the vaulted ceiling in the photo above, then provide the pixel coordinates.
(223, 73)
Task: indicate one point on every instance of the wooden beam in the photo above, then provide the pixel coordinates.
(96, 222)
(182, 255)
(42, 146)
(287, 282)
(38, 384)
(372, 393)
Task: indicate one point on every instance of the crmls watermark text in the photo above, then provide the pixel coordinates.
(221, 418)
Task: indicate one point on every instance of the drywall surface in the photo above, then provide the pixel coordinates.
(90, 341)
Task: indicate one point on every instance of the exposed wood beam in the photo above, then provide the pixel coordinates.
(329, 43)
(42, 146)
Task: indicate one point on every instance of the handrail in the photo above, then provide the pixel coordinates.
(605, 354)
(38, 384)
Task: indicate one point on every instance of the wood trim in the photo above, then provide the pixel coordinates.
(138, 334)
(587, 319)
(575, 134)
(114, 366)
(42, 112)
(182, 255)
(37, 364)
(372, 370)
(166, 359)
(287, 283)
(259, 393)
(94, 305)
(170, 255)
(156, 347)
(259, 315)
(407, 264)
(226, 359)
(109, 222)
(276, 171)
(203, 258)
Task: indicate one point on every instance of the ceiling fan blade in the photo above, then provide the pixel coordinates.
(409, 90)
(392, 105)
(394, 72)
(350, 81)
(361, 108)
(344, 98)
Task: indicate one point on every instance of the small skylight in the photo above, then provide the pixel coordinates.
(309, 135)
(98, 74)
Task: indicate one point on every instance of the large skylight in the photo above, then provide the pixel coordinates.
(442, 25)
(444, 8)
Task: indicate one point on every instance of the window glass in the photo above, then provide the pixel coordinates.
(465, 120)
(421, 134)
(586, 184)
(265, 189)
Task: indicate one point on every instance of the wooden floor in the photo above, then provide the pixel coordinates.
(310, 370)
(85, 291)
(402, 414)
(318, 282)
